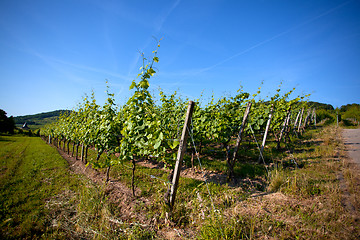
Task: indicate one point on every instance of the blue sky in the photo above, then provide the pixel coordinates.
(54, 52)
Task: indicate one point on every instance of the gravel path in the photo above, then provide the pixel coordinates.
(352, 142)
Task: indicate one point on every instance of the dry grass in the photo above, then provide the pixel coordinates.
(304, 202)
(301, 203)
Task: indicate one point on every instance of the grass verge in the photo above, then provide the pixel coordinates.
(40, 198)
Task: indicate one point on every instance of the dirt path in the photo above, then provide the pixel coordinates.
(351, 139)
(352, 142)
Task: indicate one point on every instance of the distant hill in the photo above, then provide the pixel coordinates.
(318, 105)
(38, 120)
(347, 107)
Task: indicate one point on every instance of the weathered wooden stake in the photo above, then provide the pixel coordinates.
(133, 176)
(108, 176)
(287, 128)
(314, 116)
(77, 151)
(82, 152)
(296, 121)
(86, 154)
(265, 134)
(238, 141)
(73, 149)
(285, 125)
(180, 154)
(300, 120)
(307, 118)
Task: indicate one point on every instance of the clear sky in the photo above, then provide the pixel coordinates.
(53, 52)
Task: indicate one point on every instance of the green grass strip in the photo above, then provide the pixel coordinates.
(31, 173)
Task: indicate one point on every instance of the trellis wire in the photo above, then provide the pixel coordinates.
(152, 176)
(202, 170)
(292, 156)
(201, 167)
(262, 157)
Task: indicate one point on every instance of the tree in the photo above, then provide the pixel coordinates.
(352, 111)
(7, 125)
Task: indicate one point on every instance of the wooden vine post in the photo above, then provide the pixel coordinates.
(82, 152)
(287, 128)
(314, 116)
(300, 120)
(265, 134)
(283, 129)
(76, 150)
(68, 150)
(238, 141)
(307, 118)
(73, 149)
(296, 122)
(180, 154)
(86, 154)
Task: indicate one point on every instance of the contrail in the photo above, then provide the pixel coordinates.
(164, 17)
(157, 28)
(275, 37)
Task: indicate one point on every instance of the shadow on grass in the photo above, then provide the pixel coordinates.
(3, 138)
(250, 170)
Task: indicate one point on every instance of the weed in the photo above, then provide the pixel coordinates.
(139, 233)
(222, 228)
(278, 178)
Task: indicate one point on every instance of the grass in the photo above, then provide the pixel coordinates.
(40, 198)
(302, 201)
(26, 185)
(301, 198)
(315, 187)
